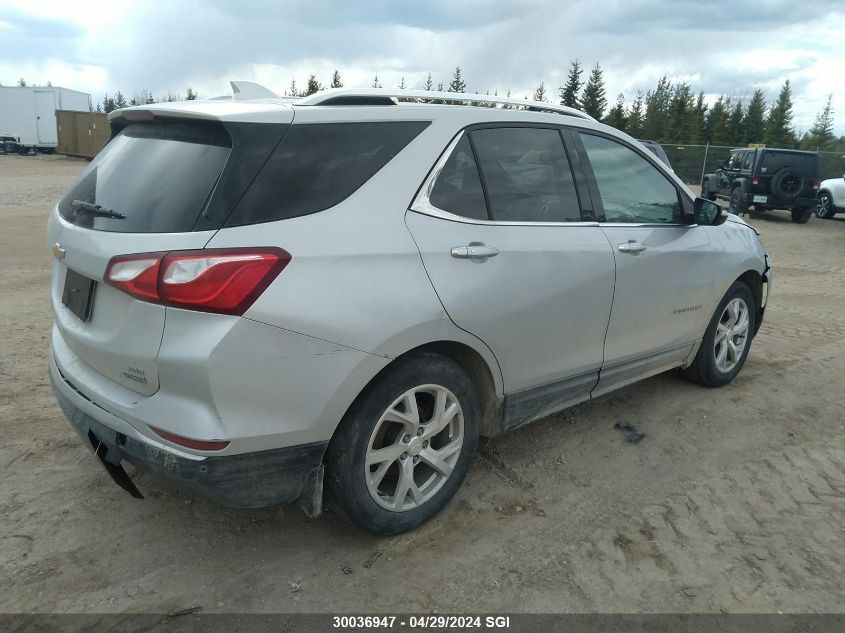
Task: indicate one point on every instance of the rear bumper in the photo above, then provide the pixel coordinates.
(774, 203)
(248, 480)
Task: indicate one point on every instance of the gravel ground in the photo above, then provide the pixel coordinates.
(734, 501)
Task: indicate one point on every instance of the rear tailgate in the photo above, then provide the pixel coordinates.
(150, 185)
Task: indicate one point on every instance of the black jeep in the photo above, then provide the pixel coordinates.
(766, 179)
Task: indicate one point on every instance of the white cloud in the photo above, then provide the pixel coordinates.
(104, 45)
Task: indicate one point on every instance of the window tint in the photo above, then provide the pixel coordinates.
(526, 174)
(317, 166)
(458, 186)
(736, 160)
(749, 160)
(158, 176)
(631, 188)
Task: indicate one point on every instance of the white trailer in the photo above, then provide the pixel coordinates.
(28, 115)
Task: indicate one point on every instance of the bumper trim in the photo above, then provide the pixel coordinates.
(247, 480)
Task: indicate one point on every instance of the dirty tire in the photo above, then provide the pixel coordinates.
(348, 492)
(801, 216)
(737, 205)
(703, 369)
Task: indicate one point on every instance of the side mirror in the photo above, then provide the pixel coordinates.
(706, 212)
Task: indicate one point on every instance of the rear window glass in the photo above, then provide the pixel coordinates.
(805, 163)
(317, 166)
(527, 175)
(150, 178)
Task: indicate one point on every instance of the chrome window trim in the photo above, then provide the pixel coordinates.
(422, 204)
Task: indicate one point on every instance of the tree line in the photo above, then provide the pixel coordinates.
(668, 113)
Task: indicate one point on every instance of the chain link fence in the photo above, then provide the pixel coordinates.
(691, 161)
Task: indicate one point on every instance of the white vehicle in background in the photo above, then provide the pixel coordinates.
(28, 115)
(831, 197)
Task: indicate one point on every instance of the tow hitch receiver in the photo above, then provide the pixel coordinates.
(110, 457)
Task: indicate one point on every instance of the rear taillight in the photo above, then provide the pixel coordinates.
(189, 442)
(816, 184)
(222, 280)
(755, 181)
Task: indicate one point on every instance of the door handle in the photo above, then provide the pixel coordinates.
(632, 247)
(475, 251)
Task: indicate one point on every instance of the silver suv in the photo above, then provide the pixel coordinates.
(268, 300)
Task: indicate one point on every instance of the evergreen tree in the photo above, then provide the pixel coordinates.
(594, 100)
(570, 90)
(336, 82)
(119, 100)
(150, 98)
(22, 82)
(698, 117)
(457, 84)
(540, 93)
(190, 95)
(754, 125)
(779, 132)
(402, 85)
(716, 123)
(616, 116)
(656, 122)
(376, 82)
(440, 86)
(736, 125)
(312, 86)
(634, 119)
(681, 105)
(821, 135)
(429, 84)
(292, 91)
(99, 107)
(171, 97)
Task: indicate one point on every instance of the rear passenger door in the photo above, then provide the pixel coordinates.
(663, 278)
(503, 238)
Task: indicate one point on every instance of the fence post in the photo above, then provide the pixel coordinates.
(704, 162)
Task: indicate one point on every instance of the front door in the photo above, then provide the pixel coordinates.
(514, 264)
(663, 280)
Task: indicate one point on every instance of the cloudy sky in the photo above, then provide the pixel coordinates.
(718, 46)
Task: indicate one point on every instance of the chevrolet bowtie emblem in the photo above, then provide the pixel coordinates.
(58, 251)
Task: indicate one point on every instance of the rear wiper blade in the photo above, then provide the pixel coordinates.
(96, 210)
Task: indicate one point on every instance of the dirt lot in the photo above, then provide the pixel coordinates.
(734, 501)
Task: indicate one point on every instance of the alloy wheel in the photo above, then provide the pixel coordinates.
(823, 206)
(731, 335)
(414, 447)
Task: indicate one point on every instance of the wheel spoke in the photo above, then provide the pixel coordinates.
(378, 475)
(722, 354)
(721, 333)
(404, 487)
(437, 458)
(387, 454)
(442, 419)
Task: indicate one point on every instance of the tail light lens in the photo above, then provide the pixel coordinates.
(816, 184)
(189, 442)
(221, 280)
(755, 181)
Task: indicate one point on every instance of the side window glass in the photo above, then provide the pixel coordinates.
(526, 175)
(458, 186)
(736, 160)
(631, 188)
(749, 160)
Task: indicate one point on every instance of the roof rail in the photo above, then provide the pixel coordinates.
(379, 96)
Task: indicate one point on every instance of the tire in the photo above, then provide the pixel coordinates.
(364, 429)
(801, 216)
(787, 185)
(738, 206)
(705, 192)
(706, 369)
(825, 209)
